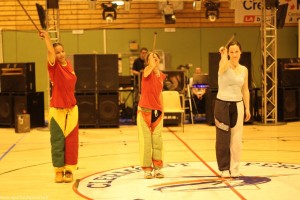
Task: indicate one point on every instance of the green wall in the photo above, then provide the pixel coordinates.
(184, 46)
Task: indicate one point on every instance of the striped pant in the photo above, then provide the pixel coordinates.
(64, 138)
(150, 139)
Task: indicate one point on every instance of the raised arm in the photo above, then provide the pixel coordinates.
(224, 62)
(153, 62)
(51, 53)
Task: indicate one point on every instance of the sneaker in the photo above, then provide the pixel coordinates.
(68, 177)
(59, 177)
(235, 175)
(225, 174)
(158, 174)
(148, 175)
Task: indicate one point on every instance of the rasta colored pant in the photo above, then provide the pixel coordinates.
(150, 125)
(64, 138)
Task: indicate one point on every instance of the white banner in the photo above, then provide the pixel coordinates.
(249, 11)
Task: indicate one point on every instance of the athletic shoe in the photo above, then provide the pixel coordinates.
(148, 175)
(59, 177)
(68, 177)
(158, 174)
(235, 175)
(225, 174)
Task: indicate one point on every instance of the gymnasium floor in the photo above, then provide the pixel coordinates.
(108, 165)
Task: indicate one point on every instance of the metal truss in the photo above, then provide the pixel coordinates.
(52, 22)
(269, 62)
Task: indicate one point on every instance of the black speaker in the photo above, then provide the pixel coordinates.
(175, 81)
(107, 72)
(17, 77)
(87, 109)
(288, 72)
(6, 109)
(214, 59)
(108, 109)
(288, 106)
(96, 72)
(33, 104)
(210, 99)
(52, 4)
(85, 69)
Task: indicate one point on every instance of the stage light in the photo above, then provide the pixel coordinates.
(212, 10)
(168, 15)
(109, 11)
(197, 5)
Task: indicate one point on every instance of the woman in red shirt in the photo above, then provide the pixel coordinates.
(150, 118)
(63, 112)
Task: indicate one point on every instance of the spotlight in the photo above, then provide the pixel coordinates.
(197, 5)
(168, 15)
(212, 10)
(109, 11)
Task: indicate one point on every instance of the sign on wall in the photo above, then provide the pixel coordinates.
(249, 11)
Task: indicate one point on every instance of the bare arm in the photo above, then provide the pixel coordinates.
(246, 96)
(51, 53)
(224, 62)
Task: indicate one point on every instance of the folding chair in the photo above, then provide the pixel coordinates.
(172, 105)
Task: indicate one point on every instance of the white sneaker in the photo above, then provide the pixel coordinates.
(235, 175)
(148, 175)
(158, 174)
(225, 174)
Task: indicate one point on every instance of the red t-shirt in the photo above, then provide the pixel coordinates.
(151, 91)
(63, 80)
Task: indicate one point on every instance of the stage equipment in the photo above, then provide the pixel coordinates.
(288, 104)
(96, 72)
(109, 12)
(108, 110)
(169, 15)
(17, 77)
(197, 4)
(212, 10)
(281, 15)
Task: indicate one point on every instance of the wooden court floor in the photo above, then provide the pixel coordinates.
(25, 163)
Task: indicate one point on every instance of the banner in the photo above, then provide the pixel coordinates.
(249, 11)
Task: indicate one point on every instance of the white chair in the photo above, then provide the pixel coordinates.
(173, 108)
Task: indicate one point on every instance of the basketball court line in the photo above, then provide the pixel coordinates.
(207, 165)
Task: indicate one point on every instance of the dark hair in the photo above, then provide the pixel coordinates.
(57, 44)
(143, 49)
(234, 43)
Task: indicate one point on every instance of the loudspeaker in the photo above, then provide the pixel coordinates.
(96, 72)
(288, 104)
(210, 98)
(6, 109)
(288, 72)
(33, 104)
(52, 4)
(175, 81)
(85, 70)
(17, 77)
(87, 109)
(107, 66)
(108, 110)
(214, 59)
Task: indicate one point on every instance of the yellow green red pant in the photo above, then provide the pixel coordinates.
(64, 138)
(150, 140)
